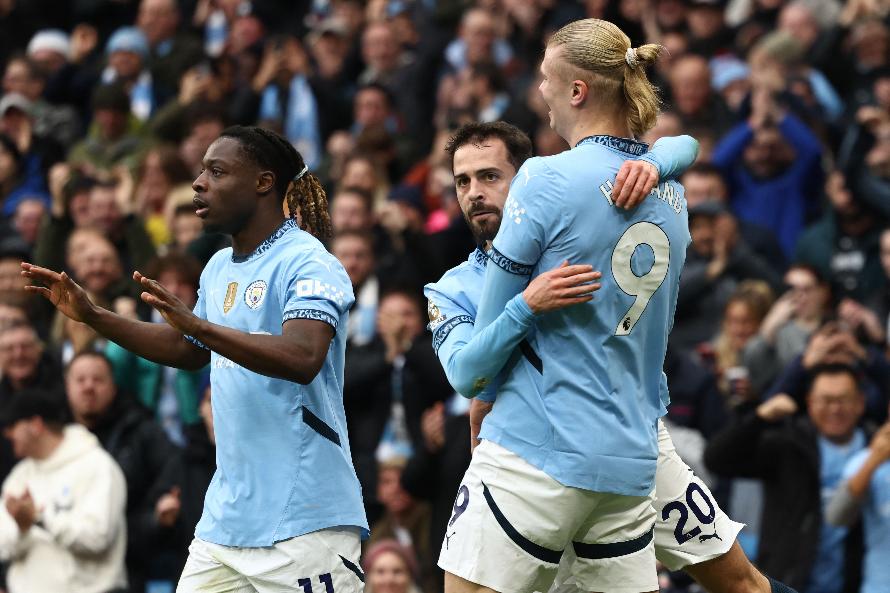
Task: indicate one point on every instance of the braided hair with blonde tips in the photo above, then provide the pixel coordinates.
(305, 197)
(613, 69)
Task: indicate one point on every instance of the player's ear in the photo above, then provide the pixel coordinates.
(265, 182)
(579, 92)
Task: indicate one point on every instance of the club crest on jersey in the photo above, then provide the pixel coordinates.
(436, 316)
(229, 301)
(255, 293)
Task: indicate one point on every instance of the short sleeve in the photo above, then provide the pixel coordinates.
(444, 315)
(200, 310)
(317, 287)
(531, 217)
(856, 462)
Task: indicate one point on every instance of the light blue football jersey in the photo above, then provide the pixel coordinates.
(593, 425)
(452, 303)
(876, 522)
(283, 465)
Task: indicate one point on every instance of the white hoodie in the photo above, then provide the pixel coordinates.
(81, 495)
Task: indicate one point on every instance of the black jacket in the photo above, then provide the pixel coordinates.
(367, 399)
(785, 456)
(191, 470)
(138, 444)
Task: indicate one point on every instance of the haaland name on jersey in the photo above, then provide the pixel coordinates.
(663, 191)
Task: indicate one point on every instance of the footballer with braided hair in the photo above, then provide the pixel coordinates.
(285, 505)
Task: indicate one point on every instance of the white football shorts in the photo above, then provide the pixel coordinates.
(321, 561)
(690, 527)
(512, 522)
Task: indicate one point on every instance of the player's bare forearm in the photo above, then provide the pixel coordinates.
(157, 342)
(297, 355)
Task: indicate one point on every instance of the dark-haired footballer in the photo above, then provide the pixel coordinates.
(284, 509)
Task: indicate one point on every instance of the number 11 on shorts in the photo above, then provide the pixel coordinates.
(324, 579)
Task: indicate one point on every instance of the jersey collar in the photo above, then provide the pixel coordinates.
(478, 258)
(287, 225)
(625, 145)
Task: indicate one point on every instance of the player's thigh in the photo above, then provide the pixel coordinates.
(206, 572)
(510, 523)
(615, 549)
(455, 584)
(690, 526)
(321, 561)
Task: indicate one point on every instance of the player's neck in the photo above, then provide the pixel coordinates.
(598, 125)
(259, 229)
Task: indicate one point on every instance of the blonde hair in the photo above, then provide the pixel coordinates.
(758, 297)
(600, 48)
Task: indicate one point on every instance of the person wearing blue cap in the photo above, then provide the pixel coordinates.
(128, 55)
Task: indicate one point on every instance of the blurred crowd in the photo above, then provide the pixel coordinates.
(778, 365)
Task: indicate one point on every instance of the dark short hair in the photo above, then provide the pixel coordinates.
(709, 169)
(490, 71)
(112, 97)
(834, 368)
(519, 146)
(362, 235)
(185, 266)
(376, 86)
(48, 405)
(407, 292)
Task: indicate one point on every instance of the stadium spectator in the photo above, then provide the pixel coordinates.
(27, 218)
(287, 101)
(38, 152)
(355, 251)
(692, 98)
(170, 53)
(405, 520)
(173, 395)
(772, 162)
(138, 444)
(180, 489)
(24, 361)
(389, 568)
(108, 213)
(160, 172)
(389, 378)
(13, 250)
(786, 329)
(836, 343)
(800, 460)
(11, 315)
(718, 260)
(62, 525)
(112, 139)
(704, 182)
(865, 491)
(844, 244)
(742, 317)
(25, 76)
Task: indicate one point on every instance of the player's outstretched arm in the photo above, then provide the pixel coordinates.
(296, 355)
(471, 361)
(157, 342)
(670, 156)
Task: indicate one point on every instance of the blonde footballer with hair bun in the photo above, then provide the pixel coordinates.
(600, 55)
